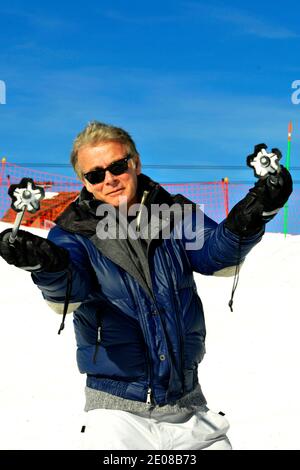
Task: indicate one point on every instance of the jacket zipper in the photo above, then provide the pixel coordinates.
(99, 335)
(148, 361)
(149, 392)
(98, 340)
(149, 396)
(178, 326)
(148, 399)
(150, 372)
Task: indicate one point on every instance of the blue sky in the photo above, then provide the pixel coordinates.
(194, 83)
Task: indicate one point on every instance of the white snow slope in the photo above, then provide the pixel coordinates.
(250, 371)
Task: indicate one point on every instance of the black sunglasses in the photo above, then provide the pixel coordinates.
(116, 168)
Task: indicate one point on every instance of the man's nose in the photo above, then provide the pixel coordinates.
(109, 177)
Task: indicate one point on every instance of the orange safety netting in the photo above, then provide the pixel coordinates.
(61, 190)
(216, 197)
(212, 195)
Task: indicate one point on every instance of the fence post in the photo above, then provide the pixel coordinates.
(3, 193)
(225, 182)
(3, 162)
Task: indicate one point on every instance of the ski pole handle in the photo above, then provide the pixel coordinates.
(25, 196)
(265, 165)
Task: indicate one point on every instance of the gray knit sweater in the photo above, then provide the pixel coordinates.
(97, 399)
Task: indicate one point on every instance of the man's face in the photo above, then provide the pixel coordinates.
(113, 187)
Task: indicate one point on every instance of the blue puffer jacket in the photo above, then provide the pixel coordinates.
(138, 320)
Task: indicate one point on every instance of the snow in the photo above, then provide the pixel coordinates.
(50, 194)
(250, 371)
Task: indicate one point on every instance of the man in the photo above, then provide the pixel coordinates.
(125, 269)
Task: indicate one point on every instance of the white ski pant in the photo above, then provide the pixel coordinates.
(121, 430)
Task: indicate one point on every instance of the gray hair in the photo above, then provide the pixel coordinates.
(96, 132)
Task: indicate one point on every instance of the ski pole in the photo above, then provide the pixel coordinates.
(287, 164)
(25, 196)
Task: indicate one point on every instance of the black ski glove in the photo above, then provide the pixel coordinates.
(260, 205)
(33, 253)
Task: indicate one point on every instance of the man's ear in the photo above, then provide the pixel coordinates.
(136, 163)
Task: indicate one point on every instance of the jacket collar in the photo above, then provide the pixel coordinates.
(80, 216)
